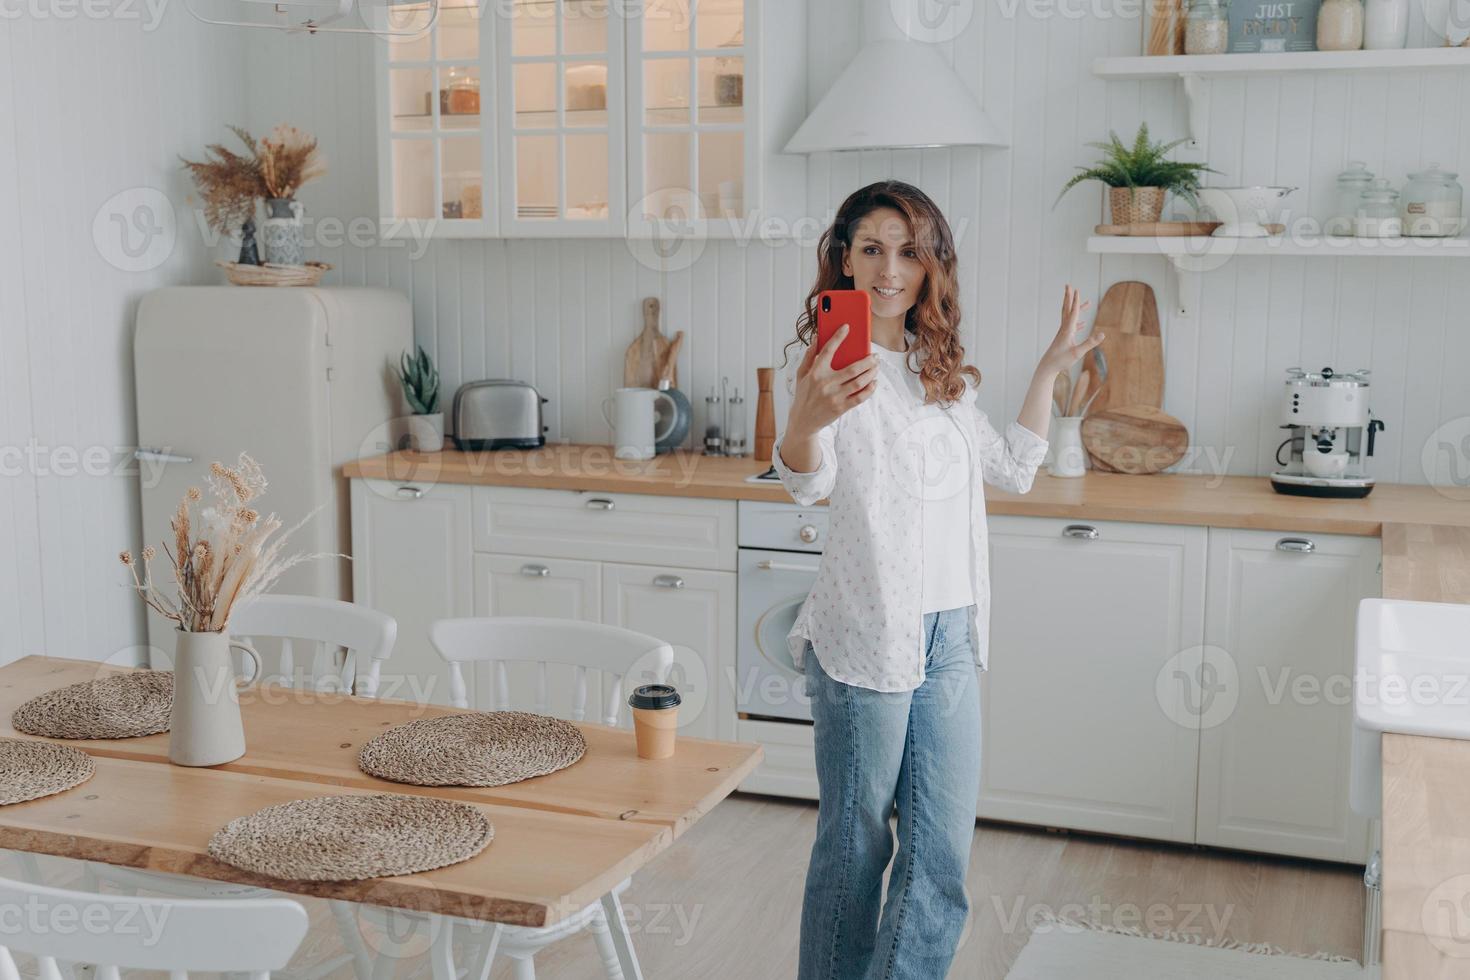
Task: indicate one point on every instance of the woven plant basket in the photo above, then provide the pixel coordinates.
(1135, 205)
(274, 275)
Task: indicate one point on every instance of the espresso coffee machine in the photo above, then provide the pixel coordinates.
(1328, 416)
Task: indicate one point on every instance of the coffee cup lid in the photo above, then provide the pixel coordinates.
(654, 696)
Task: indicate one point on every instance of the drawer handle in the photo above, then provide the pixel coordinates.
(599, 503)
(767, 565)
(410, 493)
(535, 571)
(668, 581)
(1085, 531)
(1299, 545)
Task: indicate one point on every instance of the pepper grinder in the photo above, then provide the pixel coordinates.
(713, 442)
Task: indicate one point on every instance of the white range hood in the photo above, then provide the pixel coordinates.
(897, 92)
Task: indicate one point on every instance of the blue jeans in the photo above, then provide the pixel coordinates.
(921, 750)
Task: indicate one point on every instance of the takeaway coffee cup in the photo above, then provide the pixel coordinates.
(655, 719)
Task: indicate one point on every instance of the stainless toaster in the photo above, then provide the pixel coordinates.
(498, 414)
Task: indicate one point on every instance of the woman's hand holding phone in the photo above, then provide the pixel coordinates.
(823, 394)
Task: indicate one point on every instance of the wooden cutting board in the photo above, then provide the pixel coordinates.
(647, 352)
(1134, 348)
(1135, 439)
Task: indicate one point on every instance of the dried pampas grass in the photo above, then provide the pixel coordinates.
(288, 158)
(228, 555)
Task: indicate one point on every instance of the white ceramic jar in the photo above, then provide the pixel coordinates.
(1385, 24)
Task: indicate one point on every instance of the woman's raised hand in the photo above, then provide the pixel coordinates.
(824, 393)
(1066, 349)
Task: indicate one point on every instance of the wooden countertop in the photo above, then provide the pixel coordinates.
(1231, 501)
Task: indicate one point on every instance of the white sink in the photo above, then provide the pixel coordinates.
(1412, 675)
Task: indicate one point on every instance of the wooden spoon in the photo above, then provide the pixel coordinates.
(1060, 389)
(1079, 393)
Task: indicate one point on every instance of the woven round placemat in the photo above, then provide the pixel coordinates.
(349, 838)
(30, 770)
(115, 706)
(481, 748)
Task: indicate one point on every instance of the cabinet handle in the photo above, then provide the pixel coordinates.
(410, 493)
(1299, 545)
(535, 571)
(1086, 531)
(668, 581)
(160, 456)
(599, 503)
(767, 565)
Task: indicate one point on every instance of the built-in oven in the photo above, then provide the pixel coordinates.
(780, 546)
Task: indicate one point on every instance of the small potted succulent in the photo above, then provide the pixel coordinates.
(1139, 176)
(420, 380)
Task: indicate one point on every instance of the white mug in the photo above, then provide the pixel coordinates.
(632, 421)
(1325, 466)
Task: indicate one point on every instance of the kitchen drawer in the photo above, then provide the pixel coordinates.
(592, 526)
(790, 767)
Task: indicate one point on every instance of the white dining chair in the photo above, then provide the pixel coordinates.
(343, 636)
(348, 642)
(616, 654)
(60, 927)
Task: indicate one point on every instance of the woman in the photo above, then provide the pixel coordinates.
(897, 621)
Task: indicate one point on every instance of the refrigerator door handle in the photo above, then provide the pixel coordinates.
(160, 456)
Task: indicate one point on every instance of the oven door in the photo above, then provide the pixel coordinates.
(773, 585)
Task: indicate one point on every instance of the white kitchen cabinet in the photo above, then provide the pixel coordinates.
(556, 588)
(1279, 628)
(694, 611)
(1087, 709)
(624, 527)
(411, 560)
(567, 118)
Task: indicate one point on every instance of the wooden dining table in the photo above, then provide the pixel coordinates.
(561, 841)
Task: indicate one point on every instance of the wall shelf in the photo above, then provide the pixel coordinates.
(1222, 65)
(1190, 256)
(1207, 248)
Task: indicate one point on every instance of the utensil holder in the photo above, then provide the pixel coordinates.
(1068, 457)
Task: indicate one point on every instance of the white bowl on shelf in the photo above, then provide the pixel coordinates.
(1243, 211)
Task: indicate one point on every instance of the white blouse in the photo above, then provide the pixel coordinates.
(944, 579)
(863, 615)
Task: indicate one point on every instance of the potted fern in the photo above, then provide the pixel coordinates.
(420, 380)
(1139, 176)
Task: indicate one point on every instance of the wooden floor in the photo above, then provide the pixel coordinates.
(725, 901)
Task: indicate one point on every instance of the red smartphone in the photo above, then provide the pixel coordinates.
(851, 306)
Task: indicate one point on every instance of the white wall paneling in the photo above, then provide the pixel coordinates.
(94, 100)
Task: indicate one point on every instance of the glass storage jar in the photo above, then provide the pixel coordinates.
(1378, 214)
(1351, 184)
(1431, 204)
(1207, 27)
(1340, 25)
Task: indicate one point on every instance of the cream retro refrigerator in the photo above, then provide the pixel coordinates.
(301, 379)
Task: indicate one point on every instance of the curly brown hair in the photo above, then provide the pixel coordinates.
(937, 354)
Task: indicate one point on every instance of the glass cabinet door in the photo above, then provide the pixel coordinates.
(438, 165)
(562, 145)
(687, 115)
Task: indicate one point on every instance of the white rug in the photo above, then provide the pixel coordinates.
(1065, 950)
